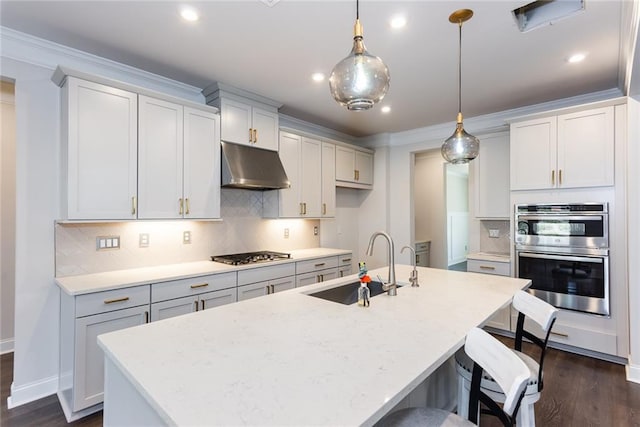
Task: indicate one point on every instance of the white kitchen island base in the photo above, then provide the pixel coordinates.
(294, 359)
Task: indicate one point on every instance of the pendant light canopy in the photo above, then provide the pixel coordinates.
(461, 147)
(361, 79)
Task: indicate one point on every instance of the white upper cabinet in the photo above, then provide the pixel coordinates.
(328, 180)
(491, 176)
(178, 170)
(354, 168)
(246, 118)
(565, 151)
(100, 135)
(302, 160)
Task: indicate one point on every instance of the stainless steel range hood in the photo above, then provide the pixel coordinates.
(252, 168)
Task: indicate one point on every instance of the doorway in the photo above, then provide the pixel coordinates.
(457, 216)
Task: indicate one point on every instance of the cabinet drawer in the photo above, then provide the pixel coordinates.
(271, 272)
(317, 264)
(489, 267)
(192, 286)
(117, 299)
(344, 260)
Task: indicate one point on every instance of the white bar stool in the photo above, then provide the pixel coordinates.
(542, 314)
(511, 376)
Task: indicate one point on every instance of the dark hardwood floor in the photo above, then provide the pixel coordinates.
(579, 391)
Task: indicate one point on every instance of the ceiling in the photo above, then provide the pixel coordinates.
(272, 47)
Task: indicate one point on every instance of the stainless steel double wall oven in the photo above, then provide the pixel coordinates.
(564, 250)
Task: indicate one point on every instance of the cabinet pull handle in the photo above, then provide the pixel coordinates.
(346, 259)
(559, 176)
(301, 211)
(146, 317)
(255, 135)
(320, 265)
(250, 135)
(305, 208)
(181, 206)
(133, 205)
(355, 175)
(324, 209)
(487, 267)
(111, 301)
(195, 303)
(202, 304)
(186, 202)
(553, 177)
(560, 334)
(201, 285)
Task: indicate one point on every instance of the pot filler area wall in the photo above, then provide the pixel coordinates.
(242, 229)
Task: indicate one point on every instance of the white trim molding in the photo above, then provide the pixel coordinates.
(6, 346)
(633, 372)
(32, 391)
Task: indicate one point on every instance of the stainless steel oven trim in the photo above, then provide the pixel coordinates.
(538, 217)
(591, 305)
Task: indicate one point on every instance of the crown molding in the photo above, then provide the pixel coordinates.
(47, 54)
(292, 123)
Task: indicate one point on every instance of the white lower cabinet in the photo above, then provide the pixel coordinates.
(266, 287)
(178, 297)
(265, 280)
(322, 269)
(82, 319)
(502, 319)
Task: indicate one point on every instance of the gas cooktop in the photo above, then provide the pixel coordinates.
(250, 257)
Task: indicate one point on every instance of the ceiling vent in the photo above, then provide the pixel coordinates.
(545, 12)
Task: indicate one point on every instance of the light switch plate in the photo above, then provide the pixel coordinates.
(286, 233)
(186, 237)
(144, 240)
(107, 242)
(494, 232)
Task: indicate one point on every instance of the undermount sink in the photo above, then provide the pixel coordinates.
(348, 294)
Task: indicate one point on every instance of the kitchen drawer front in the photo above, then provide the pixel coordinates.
(260, 274)
(317, 264)
(117, 299)
(317, 277)
(489, 267)
(344, 260)
(192, 286)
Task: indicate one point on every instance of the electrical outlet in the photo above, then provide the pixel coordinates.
(286, 233)
(107, 242)
(143, 240)
(186, 237)
(315, 230)
(494, 232)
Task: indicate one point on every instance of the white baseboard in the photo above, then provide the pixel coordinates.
(633, 372)
(6, 346)
(32, 391)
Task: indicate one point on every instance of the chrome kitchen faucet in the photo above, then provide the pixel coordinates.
(391, 287)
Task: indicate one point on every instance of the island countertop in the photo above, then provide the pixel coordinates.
(293, 359)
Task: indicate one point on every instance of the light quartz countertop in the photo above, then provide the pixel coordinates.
(87, 283)
(489, 256)
(293, 359)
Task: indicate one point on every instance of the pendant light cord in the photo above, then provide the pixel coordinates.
(357, 9)
(460, 68)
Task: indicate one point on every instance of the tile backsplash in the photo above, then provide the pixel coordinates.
(501, 244)
(242, 229)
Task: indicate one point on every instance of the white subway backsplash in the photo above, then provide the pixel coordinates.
(242, 229)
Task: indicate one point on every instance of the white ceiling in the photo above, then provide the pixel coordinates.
(273, 50)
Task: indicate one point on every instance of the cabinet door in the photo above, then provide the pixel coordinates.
(364, 167)
(101, 130)
(217, 298)
(265, 124)
(252, 291)
(533, 154)
(235, 121)
(491, 175)
(345, 164)
(329, 274)
(283, 284)
(173, 308)
(307, 279)
(201, 164)
(311, 177)
(586, 148)
(160, 160)
(88, 381)
(328, 180)
(289, 198)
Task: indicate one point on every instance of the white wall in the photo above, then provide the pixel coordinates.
(7, 216)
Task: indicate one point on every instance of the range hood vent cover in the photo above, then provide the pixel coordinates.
(252, 168)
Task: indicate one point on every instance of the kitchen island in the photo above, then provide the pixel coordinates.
(294, 359)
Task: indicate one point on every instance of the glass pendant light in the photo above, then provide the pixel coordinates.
(361, 79)
(461, 147)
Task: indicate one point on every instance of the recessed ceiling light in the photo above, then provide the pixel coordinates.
(386, 109)
(398, 21)
(578, 57)
(189, 14)
(317, 77)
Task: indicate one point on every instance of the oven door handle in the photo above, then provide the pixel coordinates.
(596, 260)
(558, 217)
